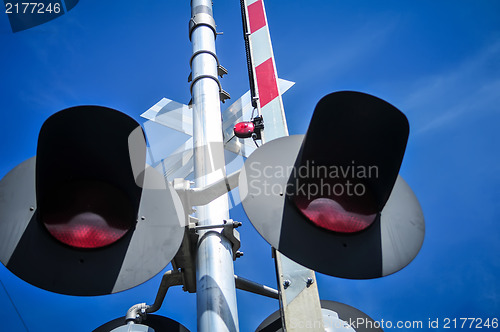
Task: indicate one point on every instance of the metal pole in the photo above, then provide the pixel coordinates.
(215, 285)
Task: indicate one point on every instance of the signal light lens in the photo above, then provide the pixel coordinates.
(329, 214)
(86, 230)
(88, 214)
(244, 129)
(343, 213)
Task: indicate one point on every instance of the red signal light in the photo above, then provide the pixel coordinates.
(84, 193)
(244, 129)
(352, 151)
(336, 213)
(336, 190)
(88, 214)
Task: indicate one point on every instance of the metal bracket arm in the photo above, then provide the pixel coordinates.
(138, 312)
(230, 223)
(201, 196)
(234, 237)
(228, 230)
(256, 288)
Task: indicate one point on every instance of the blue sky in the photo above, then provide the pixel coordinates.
(438, 62)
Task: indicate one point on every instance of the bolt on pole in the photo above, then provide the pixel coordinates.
(215, 289)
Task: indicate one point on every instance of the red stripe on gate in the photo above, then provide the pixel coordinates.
(256, 16)
(266, 82)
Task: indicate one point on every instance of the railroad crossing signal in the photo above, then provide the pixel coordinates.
(85, 216)
(332, 200)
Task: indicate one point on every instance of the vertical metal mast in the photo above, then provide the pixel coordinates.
(215, 289)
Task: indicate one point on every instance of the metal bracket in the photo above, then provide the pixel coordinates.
(201, 196)
(228, 230)
(233, 236)
(199, 77)
(195, 54)
(185, 257)
(138, 312)
(192, 224)
(191, 197)
(258, 122)
(224, 95)
(182, 187)
(256, 288)
(299, 298)
(227, 224)
(202, 19)
(221, 70)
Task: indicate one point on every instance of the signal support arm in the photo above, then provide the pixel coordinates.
(138, 311)
(201, 196)
(190, 197)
